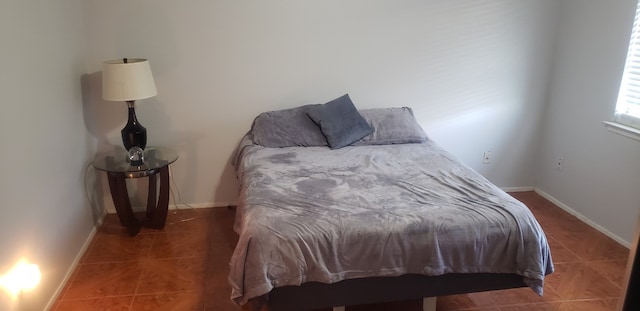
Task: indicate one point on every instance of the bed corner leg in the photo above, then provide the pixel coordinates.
(338, 308)
(429, 303)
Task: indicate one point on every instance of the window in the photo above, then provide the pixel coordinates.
(628, 104)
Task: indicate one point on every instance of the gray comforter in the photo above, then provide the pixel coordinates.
(315, 214)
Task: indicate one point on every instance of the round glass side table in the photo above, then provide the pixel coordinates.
(155, 166)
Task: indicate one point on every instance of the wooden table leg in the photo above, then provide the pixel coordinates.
(120, 196)
(159, 215)
(151, 198)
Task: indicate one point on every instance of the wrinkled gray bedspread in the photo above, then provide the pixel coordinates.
(315, 214)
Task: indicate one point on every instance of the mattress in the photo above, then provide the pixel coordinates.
(312, 214)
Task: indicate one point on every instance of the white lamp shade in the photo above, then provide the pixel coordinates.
(127, 81)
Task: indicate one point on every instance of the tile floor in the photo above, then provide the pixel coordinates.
(185, 266)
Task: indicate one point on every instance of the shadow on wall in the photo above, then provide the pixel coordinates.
(99, 118)
(103, 118)
(228, 184)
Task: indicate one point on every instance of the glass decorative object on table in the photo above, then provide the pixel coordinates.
(136, 156)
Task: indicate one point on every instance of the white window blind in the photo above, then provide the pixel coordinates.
(628, 104)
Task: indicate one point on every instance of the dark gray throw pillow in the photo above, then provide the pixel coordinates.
(287, 128)
(340, 122)
(391, 126)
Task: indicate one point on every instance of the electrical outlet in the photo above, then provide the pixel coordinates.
(559, 163)
(486, 158)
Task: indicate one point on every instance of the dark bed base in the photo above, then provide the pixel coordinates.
(310, 296)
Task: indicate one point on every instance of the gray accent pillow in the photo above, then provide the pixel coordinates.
(391, 126)
(287, 128)
(340, 122)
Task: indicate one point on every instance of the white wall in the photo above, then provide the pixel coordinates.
(474, 72)
(45, 145)
(601, 172)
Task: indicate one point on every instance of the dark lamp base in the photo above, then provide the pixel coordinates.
(133, 134)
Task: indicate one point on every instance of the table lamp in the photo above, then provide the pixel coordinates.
(129, 80)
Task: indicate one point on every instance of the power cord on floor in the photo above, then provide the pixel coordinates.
(176, 195)
(98, 213)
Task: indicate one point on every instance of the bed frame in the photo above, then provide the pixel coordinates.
(313, 295)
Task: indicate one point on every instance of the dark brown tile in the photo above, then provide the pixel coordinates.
(179, 244)
(188, 219)
(114, 247)
(589, 305)
(175, 274)
(552, 218)
(592, 245)
(524, 196)
(220, 300)
(559, 222)
(559, 253)
(224, 238)
(183, 301)
(465, 301)
(104, 280)
(577, 281)
(409, 305)
(613, 270)
(96, 304)
(523, 295)
(217, 278)
(545, 306)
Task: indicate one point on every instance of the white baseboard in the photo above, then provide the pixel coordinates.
(517, 189)
(202, 205)
(179, 206)
(74, 264)
(583, 218)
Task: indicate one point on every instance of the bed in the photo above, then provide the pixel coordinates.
(385, 215)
